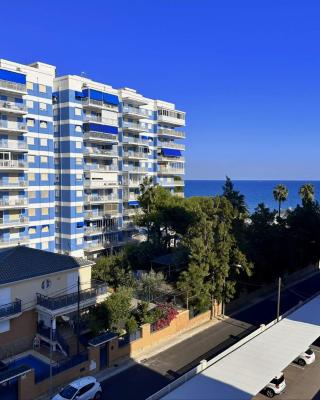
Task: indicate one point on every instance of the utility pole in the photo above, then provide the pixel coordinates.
(50, 370)
(212, 296)
(78, 317)
(278, 302)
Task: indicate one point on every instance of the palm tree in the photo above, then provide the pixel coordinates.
(306, 193)
(280, 194)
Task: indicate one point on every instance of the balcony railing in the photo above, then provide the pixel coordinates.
(7, 310)
(13, 202)
(134, 126)
(99, 184)
(99, 167)
(88, 230)
(171, 145)
(12, 86)
(171, 117)
(172, 171)
(135, 154)
(130, 168)
(10, 106)
(17, 184)
(100, 136)
(100, 199)
(89, 214)
(13, 242)
(66, 300)
(87, 102)
(13, 145)
(13, 164)
(171, 132)
(13, 126)
(135, 111)
(13, 222)
(95, 151)
(135, 140)
(97, 118)
(132, 182)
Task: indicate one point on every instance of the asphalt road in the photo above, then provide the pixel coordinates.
(141, 380)
(265, 311)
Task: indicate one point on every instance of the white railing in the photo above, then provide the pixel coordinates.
(135, 111)
(19, 220)
(135, 154)
(18, 87)
(12, 164)
(171, 132)
(92, 229)
(132, 182)
(102, 120)
(134, 126)
(99, 167)
(17, 184)
(171, 171)
(171, 116)
(11, 106)
(96, 151)
(134, 140)
(130, 168)
(14, 126)
(171, 145)
(98, 135)
(93, 198)
(99, 184)
(13, 242)
(13, 145)
(13, 202)
(173, 158)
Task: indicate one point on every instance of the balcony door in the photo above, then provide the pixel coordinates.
(5, 298)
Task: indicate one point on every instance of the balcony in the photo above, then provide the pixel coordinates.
(10, 310)
(135, 112)
(13, 242)
(12, 87)
(101, 167)
(133, 127)
(19, 221)
(97, 292)
(171, 145)
(97, 152)
(98, 104)
(99, 230)
(136, 155)
(98, 184)
(15, 145)
(133, 169)
(101, 137)
(10, 107)
(130, 212)
(132, 182)
(171, 171)
(13, 203)
(18, 184)
(171, 117)
(171, 133)
(101, 199)
(12, 126)
(13, 164)
(90, 214)
(101, 120)
(167, 159)
(135, 140)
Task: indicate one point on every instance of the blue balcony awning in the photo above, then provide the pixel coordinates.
(133, 203)
(78, 95)
(110, 99)
(12, 76)
(145, 137)
(100, 128)
(171, 152)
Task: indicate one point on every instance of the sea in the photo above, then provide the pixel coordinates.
(255, 192)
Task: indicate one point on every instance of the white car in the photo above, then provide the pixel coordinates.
(87, 388)
(307, 357)
(276, 386)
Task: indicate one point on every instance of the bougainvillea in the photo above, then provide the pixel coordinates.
(168, 313)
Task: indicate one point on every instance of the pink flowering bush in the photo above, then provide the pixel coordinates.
(166, 313)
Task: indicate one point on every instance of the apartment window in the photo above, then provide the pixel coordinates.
(44, 177)
(79, 193)
(29, 103)
(56, 145)
(43, 142)
(78, 145)
(79, 177)
(42, 88)
(33, 245)
(31, 176)
(32, 230)
(78, 128)
(43, 106)
(43, 159)
(30, 140)
(79, 209)
(57, 193)
(77, 111)
(32, 212)
(43, 124)
(45, 245)
(79, 241)
(30, 122)
(45, 211)
(31, 158)
(32, 194)
(45, 228)
(44, 194)
(29, 85)
(78, 160)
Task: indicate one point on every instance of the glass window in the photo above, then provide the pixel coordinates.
(44, 194)
(43, 142)
(78, 145)
(30, 85)
(68, 392)
(43, 106)
(45, 245)
(45, 228)
(79, 209)
(32, 212)
(42, 88)
(30, 140)
(31, 176)
(79, 193)
(43, 124)
(77, 111)
(78, 160)
(30, 122)
(32, 230)
(29, 103)
(78, 128)
(45, 211)
(44, 177)
(31, 158)
(32, 194)
(43, 159)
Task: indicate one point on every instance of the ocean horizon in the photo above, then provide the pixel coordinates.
(255, 191)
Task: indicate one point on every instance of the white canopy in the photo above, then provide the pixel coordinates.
(247, 370)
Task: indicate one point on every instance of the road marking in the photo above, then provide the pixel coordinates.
(297, 366)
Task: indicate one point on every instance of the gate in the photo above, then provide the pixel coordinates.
(104, 355)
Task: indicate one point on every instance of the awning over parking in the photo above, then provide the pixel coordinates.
(244, 372)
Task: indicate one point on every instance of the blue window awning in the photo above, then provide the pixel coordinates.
(100, 128)
(110, 99)
(134, 203)
(171, 153)
(12, 76)
(78, 95)
(145, 137)
(80, 224)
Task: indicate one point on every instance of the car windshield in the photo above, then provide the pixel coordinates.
(309, 352)
(68, 392)
(277, 381)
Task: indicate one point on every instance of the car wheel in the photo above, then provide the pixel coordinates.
(301, 362)
(98, 396)
(269, 393)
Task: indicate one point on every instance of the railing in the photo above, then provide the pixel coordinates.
(19, 220)
(20, 183)
(99, 167)
(19, 87)
(92, 198)
(13, 202)
(99, 184)
(13, 242)
(171, 158)
(135, 126)
(171, 132)
(96, 118)
(135, 111)
(55, 303)
(134, 140)
(10, 105)
(171, 116)
(96, 151)
(135, 154)
(171, 145)
(13, 145)
(47, 332)
(6, 310)
(94, 214)
(131, 168)
(128, 338)
(99, 135)
(14, 126)
(100, 229)
(171, 171)
(97, 103)
(12, 164)
(131, 182)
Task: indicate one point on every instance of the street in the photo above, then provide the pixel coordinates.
(141, 380)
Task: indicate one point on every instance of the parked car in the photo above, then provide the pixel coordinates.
(307, 357)
(87, 388)
(276, 386)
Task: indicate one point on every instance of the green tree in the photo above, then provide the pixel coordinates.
(118, 308)
(131, 325)
(306, 193)
(151, 284)
(235, 197)
(280, 194)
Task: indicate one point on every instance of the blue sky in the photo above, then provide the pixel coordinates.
(246, 72)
